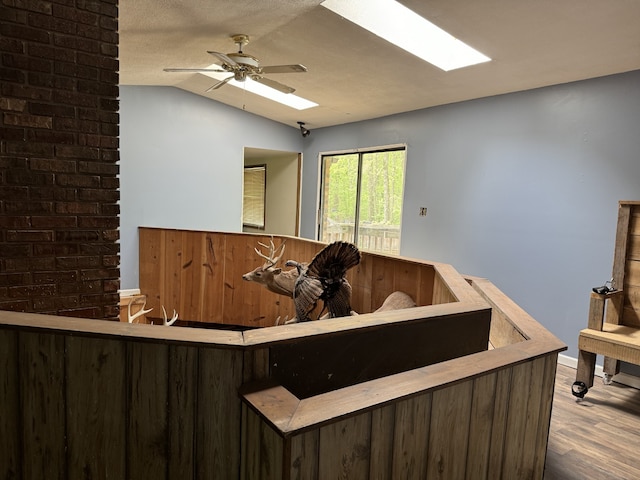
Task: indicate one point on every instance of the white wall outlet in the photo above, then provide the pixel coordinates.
(423, 211)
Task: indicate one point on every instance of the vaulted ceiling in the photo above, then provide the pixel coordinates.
(354, 75)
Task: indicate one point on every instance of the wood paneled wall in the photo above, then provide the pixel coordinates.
(481, 416)
(331, 362)
(493, 426)
(102, 399)
(199, 274)
(105, 399)
(626, 270)
(77, 406)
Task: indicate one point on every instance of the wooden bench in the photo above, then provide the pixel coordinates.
(613, 328)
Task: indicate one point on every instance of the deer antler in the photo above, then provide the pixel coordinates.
(173, 319)
(137, 314)
(271, 259)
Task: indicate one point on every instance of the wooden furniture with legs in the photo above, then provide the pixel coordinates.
(614, 316)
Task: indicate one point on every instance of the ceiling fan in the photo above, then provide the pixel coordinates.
(244, 66)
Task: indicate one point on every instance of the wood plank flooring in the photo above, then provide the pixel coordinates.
(596, 439)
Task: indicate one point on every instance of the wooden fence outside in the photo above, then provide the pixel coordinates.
(377, 239)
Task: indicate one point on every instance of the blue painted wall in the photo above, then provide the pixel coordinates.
(181, 164)
(521, 188)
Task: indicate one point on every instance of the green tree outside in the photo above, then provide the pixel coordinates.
(370, 184)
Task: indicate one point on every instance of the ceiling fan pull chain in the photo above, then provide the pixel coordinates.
(244, 96)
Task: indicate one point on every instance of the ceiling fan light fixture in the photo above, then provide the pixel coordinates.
(244, 59)
(252, 86)
(246, 73)
(406, 29)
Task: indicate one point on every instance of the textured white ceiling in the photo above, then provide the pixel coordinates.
(353, 74)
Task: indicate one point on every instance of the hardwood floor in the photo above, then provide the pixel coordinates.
(596, 439)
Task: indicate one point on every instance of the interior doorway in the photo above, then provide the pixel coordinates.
(282, 190)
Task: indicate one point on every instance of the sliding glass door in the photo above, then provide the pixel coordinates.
(361, 198)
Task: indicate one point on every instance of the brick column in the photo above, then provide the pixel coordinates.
(59, 157)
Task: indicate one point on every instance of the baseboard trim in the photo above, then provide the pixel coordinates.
(623, 378)
(129, 292)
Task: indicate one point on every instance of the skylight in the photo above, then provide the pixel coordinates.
(404, 28)
(288, 99)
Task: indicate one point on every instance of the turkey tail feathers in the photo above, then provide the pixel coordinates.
(333, 261)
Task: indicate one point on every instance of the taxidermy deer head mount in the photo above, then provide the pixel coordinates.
(270, 276)
(142, 311)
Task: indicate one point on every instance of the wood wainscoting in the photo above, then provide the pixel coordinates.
(99, 399)
(199, 274)
(480, 416)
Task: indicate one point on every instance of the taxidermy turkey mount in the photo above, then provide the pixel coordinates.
(243, 66)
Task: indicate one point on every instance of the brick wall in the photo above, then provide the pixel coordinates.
(59, 157)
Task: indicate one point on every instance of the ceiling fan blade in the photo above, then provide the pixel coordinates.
(223, 58)
(284, 69)
(193, 70)
(219, 84)
(275, 85)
